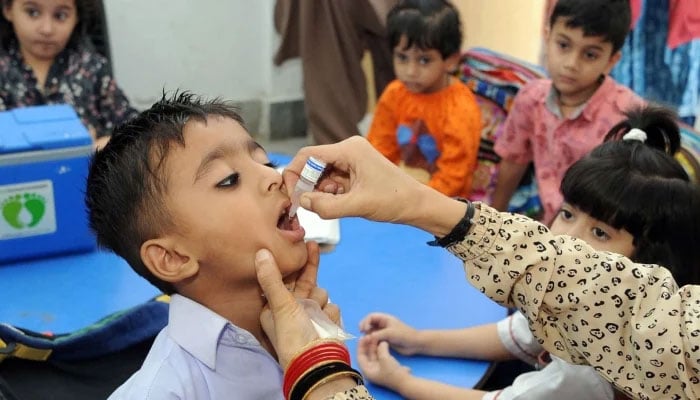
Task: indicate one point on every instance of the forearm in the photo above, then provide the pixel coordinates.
(509, 176)
(414, 388)
(432, 211)
(479, 342)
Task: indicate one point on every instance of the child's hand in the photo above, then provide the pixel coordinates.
(384, 327)
(379, 366)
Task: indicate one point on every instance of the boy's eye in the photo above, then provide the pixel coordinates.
(562, 45)
(401, 57)
(591, 56)
(271, 165)
(424, 60)
(229, 181)
(600, 234)
(61, 16)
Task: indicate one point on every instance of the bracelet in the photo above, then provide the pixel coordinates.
(351, 373)
(459, 231)
(319, 353)
(319, 375)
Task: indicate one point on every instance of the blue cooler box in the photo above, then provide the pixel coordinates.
(44, 156)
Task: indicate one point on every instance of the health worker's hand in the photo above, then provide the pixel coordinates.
(360, 181)
(284, 320)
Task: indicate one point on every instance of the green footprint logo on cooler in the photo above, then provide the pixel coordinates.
(23, 210)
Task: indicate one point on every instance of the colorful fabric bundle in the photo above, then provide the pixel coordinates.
(495, 79)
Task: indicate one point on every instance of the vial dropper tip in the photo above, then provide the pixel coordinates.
(293, 210)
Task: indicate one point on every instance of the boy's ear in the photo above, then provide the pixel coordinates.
(613, 60)
(452, 62)
(166, 262)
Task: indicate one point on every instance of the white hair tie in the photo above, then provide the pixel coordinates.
(635, 134)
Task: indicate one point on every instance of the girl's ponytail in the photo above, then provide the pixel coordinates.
(658, 124)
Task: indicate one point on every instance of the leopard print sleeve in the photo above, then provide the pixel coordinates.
(629, 321)
(357, 393)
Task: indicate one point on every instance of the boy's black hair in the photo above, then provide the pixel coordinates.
(639, 186)
(428, 24)
(126, 182)
(610, 19)
(85, 10)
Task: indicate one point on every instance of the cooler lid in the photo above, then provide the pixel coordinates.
(41, 128)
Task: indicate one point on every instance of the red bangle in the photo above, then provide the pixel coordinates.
(327, 351)
(318, 354)
(321, 353)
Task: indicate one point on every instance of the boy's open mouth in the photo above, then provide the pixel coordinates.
(286, 223)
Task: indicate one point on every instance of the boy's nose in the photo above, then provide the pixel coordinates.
(273, 180)
(411, 69)
(570, 61)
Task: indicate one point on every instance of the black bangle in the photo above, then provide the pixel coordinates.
(459, 231)
(309, 379)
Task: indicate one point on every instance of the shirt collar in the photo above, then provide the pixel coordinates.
(198, 330)
(585, 109)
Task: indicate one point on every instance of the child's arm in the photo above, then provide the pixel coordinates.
(514, 144)
(461, 134)
(509, 175)
(382, 131)
(480, 342)
(381, 368)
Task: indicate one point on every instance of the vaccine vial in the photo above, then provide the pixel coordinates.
(307, 181)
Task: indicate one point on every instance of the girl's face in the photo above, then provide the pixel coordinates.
(42, 27)
(601, 236)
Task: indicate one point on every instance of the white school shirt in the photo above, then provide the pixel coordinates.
(555, 381)
(200, 355)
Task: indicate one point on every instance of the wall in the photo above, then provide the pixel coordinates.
(225, 48)
(509, 26)
(212, 47)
